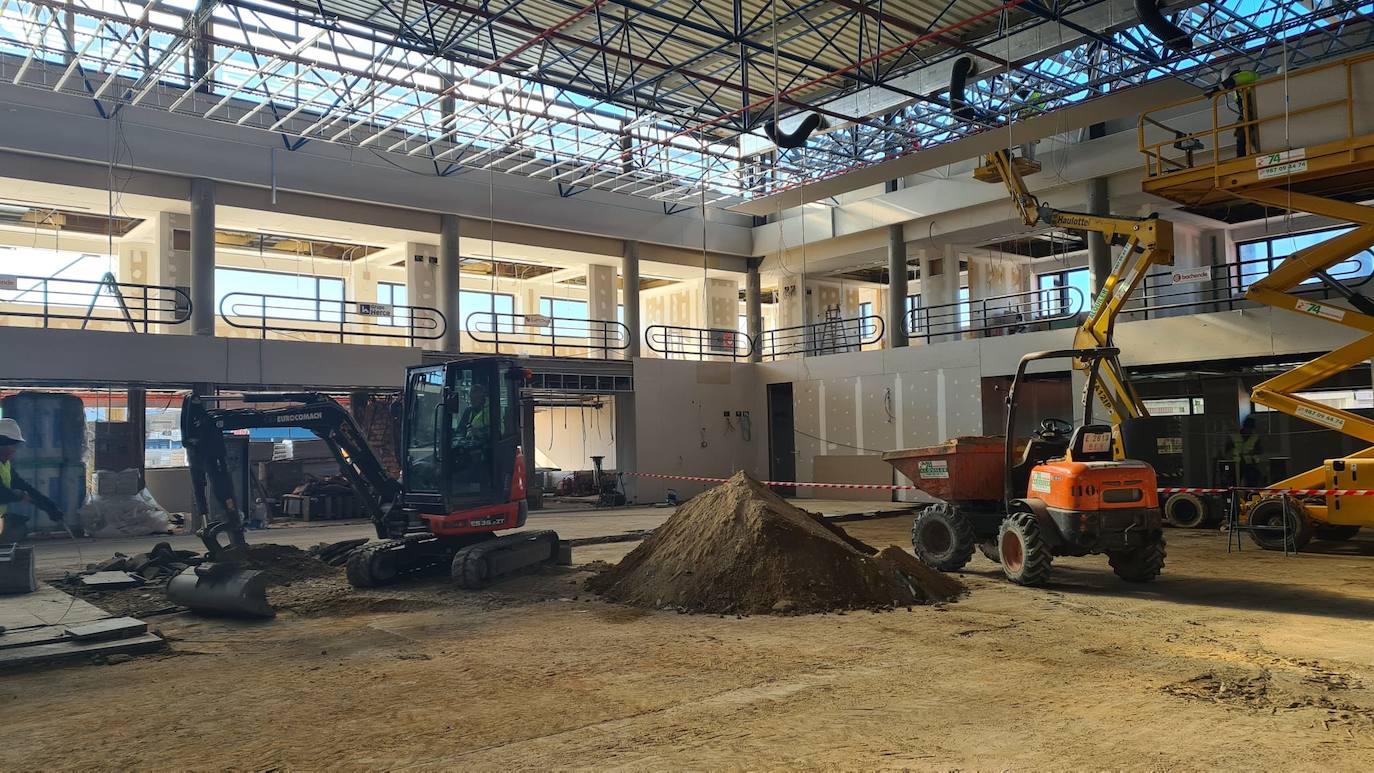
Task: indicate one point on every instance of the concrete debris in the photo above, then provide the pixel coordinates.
(110, 580)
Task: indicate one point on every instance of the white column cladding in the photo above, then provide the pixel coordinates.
(601, 303)
(422, 282)
(172, 266)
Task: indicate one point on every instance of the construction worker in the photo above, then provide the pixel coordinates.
(15, 489)
(1242, 103)
(1244, 448)
(475, 422)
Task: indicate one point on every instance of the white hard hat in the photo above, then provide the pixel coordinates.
(9, 430)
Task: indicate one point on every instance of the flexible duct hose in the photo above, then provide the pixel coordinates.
(797, 137)
(964, 67)
(1170, 34)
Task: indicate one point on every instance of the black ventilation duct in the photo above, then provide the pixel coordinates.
(1170, 34)
(964, 67)
(797, 137)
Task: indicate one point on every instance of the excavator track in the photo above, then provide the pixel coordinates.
(477, 566)
(382, 563)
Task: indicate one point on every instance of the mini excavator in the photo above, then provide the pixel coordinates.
(463, 480)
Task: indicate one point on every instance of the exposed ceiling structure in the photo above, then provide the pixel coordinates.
(663, 99)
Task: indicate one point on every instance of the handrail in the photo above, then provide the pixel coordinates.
(514, 331)
(827, 337)
(1000, 314)
(698, 342)
(1226, 289)
(1158, 163)
(102, 300)
(295, 314)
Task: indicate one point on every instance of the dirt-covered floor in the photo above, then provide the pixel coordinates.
(1240, 661)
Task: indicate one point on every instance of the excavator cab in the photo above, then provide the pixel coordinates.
(463, 470)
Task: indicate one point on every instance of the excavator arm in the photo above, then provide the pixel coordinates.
(202, 433)
(1144, 242)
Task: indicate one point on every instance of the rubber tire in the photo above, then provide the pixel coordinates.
(1026, 559)
(1270, 509)
(988, 548)
(1330, 533)
(1195, 510)
(943, 538)
(1140, 565)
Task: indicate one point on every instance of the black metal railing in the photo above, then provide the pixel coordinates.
(998, 315)
(91, 300)
(834, 336)
(510, 333)
(287, 315)
(1222, 287)
(698, 343)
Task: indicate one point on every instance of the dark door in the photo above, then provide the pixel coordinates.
(782, 441)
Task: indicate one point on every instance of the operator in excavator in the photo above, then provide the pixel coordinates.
(15, 489)
(470, 437)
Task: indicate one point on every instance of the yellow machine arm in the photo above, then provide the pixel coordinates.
(1279, 392)
(1145, 242)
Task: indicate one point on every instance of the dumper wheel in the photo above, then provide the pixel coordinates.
(1025, 556)
(1331, 533)
(988, 548)
(1272, 512)
(942, 537)
(1142, 564)
(1186, 511)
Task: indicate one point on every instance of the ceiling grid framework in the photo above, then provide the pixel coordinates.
(661, 99)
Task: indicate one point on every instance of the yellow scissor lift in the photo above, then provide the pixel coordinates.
(1298, 143)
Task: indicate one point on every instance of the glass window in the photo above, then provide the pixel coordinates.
(56, 266)
(964, 320)
(867, 327)
(570, 317)
(423, 432)
(1256, 259)
(392, 294)
(1064, 292)
(292, 296)
(477, 302)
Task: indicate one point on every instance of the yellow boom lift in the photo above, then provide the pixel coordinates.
(1143, 242)
(1298, 143)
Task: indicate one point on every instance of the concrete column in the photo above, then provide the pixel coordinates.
(601, 304)
(753, 309)
(896, 287)
(447, 286)
(136, 413)
(626, 451)
(202, 257)
(629, 295)
(1099, 256)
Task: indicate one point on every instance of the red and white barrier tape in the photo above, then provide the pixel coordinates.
(1306, 492)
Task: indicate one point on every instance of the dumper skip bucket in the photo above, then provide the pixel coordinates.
(221, 589)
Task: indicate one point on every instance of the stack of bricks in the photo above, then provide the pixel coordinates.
(380, 423)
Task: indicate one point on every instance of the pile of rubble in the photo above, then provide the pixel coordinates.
(336, 553)
(159, 564)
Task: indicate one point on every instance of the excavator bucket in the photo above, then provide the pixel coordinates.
(222, 589)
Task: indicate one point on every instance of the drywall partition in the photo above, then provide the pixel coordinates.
(568, 437)
(681, 427)
(875, 401)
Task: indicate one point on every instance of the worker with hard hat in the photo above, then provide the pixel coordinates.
(15, 489)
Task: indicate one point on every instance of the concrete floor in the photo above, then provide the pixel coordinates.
(1231, 661)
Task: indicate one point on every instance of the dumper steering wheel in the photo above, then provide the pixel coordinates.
(1054, 428)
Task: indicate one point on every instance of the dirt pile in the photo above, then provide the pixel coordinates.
(284, 564)
(741, 549)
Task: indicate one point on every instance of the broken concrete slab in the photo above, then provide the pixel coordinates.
(68, 650)
(46, 606)
(113, 628)
(111, 580)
